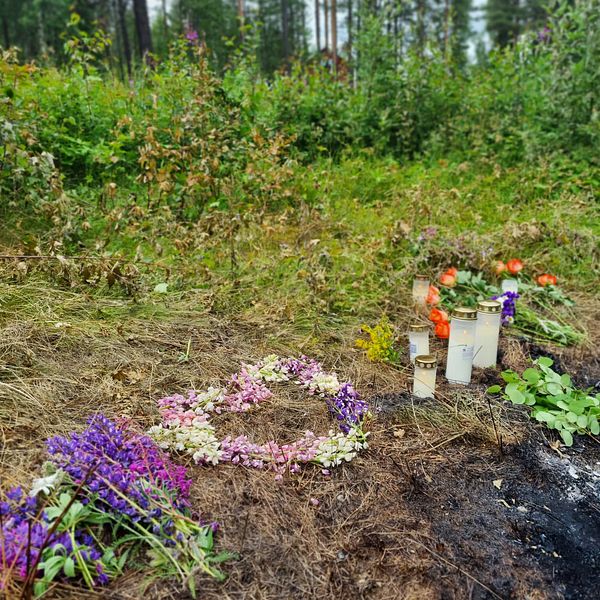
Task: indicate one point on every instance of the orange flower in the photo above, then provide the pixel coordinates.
(433, 297)
(452, 271)
(514, 265)
(547, 279)
(500, 266)
(437, 314)
(448, 280)
(442, 330)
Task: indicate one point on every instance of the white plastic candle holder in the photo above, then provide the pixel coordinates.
(424, 378)
(420, 290)
(487, 332)
(418, 340)
(510, 285)
(461, 345)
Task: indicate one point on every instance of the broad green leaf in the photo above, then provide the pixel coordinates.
(531, 376)
(594, 426)
(515, 395)
(545, 361)
(554, 389)
(494, 389)
(544, 417)
(571, 417)
(567, 437)
(565, 380)
(161, 288)
(582, 421)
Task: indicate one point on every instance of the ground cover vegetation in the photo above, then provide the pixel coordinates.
(173, 226)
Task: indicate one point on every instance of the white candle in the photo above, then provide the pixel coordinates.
(420, 290)
(418, 340)
(460, 345)
(510, 285)
(424, 378)
(486, 333)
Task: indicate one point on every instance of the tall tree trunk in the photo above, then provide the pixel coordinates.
(5, 31)
(350, 25)
(318, 25)
(165, 22)
(285, 29)
(420, 26)
(241, 17)
(446, 28)
(122, 11)
(334, 34)
(326, 19)
(142, 26)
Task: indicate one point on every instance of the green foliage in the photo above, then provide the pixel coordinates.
(380, 345)
(553, 399)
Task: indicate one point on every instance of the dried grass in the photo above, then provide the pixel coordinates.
(364, 538)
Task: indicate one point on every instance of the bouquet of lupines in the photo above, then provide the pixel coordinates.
(109, 496)
(186, 420)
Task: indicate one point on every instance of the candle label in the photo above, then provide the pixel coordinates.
(467, 352)
(413, 349)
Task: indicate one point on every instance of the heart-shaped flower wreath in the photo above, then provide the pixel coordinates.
(186, 421)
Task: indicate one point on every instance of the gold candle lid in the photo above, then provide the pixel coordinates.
(426, 361)
(489, 306)
(422, 277)
(418, 327)
(464, 313)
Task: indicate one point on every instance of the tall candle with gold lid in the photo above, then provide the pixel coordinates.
(420, 290)
(487, 333)
(460, 345)
(418, 340)
(424, 378)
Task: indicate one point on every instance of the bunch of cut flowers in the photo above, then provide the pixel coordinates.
(109, 498)
(539, 310)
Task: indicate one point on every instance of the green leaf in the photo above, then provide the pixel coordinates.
(161, 288)
(531, 376)
(571, 417)
(69, 567)
(544, 417)
(515, 395)
(565, 380)
(582, 421)
(544, 361)
(594, 426)
(494, 389)
(567, 437)
(554, 389)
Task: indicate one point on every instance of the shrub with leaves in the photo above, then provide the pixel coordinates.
(553, 399)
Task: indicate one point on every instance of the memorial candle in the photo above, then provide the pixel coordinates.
(510, 285)
(418, 340)
(420, 290)
(486, 333)
(424, 378)
(460, 345)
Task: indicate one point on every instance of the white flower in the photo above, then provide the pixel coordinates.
(324, 383)
(269, 369)
(44, 485)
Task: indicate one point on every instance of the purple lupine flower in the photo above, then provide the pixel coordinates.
(509, 306)
(347, 407)
(120, 461)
